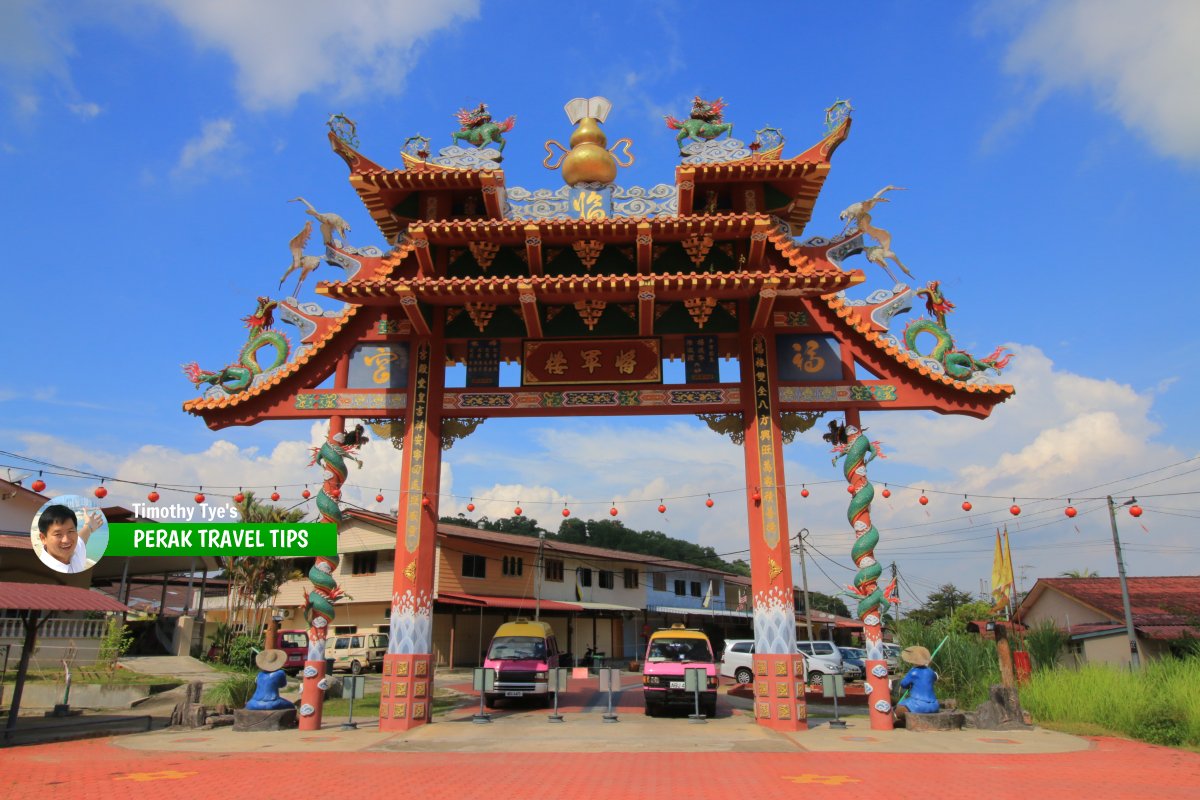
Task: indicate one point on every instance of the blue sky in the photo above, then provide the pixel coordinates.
(1050, 152)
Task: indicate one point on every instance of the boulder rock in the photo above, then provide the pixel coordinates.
(245, 719)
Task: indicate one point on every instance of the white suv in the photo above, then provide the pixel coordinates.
(821, 658)
(737, 660)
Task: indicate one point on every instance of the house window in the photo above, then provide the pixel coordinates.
(584, 574)
(695, 588)
(474, 566)
(631, 578)
(660, 581)
(513, 565)
(364, 564)
(606, 579)
(681, 588)
(554, 569)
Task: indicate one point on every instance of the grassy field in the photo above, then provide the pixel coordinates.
(117, 677)
(368, 707)
(1159, 705)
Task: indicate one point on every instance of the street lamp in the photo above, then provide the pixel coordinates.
(1112, 516)
(804, 578)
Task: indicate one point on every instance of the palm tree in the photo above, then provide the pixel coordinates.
(1079, 573)
(254, 581)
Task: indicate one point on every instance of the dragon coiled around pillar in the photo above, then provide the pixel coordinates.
(959, 364)
(239, 375)
(858, 450)
(319, 610)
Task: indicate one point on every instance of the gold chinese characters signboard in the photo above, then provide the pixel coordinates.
(591, 361)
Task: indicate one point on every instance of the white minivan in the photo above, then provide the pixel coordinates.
(821, 658)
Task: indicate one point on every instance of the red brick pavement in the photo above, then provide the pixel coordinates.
(96, 768)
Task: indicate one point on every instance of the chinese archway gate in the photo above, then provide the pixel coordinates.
(590, 288)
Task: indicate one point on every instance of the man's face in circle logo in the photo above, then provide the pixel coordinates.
(60, 539)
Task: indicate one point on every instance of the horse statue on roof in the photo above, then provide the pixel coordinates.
(705, 122)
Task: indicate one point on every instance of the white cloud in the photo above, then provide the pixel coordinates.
(202, 151)
(1138, 59)
(85, 110)
(285, 48)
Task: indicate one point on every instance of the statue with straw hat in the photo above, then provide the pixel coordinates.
(919, 682)
(270, 680)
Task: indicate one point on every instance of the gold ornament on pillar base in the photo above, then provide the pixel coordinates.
(588, 161)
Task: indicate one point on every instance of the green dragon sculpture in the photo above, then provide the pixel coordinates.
(705, 122)
(238, 376)
(478, 128)
(959, 364)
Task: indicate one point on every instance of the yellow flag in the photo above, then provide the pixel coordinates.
(708, 596)
(1009, 577)
(999, 576)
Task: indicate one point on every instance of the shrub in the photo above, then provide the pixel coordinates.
(235, 691)
(115, 643)
(1045, 642)
(241, 651)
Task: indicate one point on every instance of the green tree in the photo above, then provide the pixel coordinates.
(828, 603)
(1079, 573)
(254, 581)
(941, 604)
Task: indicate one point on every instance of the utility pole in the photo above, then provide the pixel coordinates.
(539, 571)
(1133, 649)
(804, 578)
(896, 589)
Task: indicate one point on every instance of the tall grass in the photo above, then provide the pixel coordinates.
(1159, 704)
(234, 691)
(966, 665)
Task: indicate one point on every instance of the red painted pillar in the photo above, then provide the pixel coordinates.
(778, 669)
(407, 686)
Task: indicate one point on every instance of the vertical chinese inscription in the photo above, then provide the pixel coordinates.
(764, 431)
(416, 453)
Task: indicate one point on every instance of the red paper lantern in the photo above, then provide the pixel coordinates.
(38, 485)
(566, 512)
(662, 509)
(275, 496)
(517, 511)
(470, 506)
(613, 511)
(923, 500)
(100, 492)
(306, 494)
(887, 492)
(804, 492)
(199, 497)
(1135, 511)
(967, 505)
(152, 497)
(1014, 509)
(1070, 511)
(709, 502)
(756, 496)
(239, 498)
(378, 498)
(426, 502)
(850, 489)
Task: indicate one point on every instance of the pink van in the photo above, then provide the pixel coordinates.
(522, 653)
(670, 652)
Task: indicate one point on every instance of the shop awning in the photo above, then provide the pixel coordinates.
(703, 612)
(491, 601)
(605, 606)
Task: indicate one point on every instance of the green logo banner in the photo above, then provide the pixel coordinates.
(291, 539)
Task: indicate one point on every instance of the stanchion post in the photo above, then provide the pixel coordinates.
(610, 681)
(695, 680)
(557, 683)
(835, 686)
(484, 680)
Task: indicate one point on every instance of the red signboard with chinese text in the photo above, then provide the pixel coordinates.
(586, 361)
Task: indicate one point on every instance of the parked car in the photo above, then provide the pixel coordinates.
(522, 652)
(295, 644)
(891, 652)
(669, 653)
(820, 658)
(854, 663)
(737, 661)
(356, 652)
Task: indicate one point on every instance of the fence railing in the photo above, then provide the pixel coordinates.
(55, 628)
